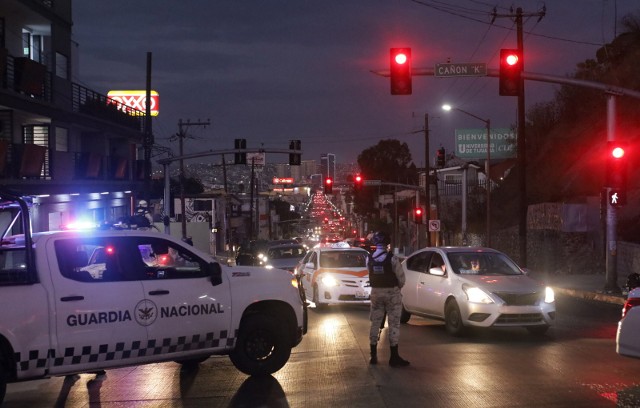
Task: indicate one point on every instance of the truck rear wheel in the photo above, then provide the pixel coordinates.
(262, 346)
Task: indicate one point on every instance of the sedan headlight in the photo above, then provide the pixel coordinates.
(549, 295)
(476, 295)
(329, 281)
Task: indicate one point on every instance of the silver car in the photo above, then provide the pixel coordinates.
(473, 286)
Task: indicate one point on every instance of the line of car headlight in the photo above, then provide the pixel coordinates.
(329, 281)
(477, 295)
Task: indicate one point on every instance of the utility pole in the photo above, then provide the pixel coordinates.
(181, 135)
(148, 135)
(427, 169)
(522, 140)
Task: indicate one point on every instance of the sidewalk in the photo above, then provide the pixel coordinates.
(589, 287)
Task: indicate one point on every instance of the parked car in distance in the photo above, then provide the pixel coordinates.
(628, 334)
(474, 286)
(285, 256)
(335, 274)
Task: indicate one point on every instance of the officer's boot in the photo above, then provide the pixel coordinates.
(374, 354)
(396, 360)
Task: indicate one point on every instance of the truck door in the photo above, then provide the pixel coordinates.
(192, 314)
(99, 316)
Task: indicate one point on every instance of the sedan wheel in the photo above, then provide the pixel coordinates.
(404, 316)
(453, 319)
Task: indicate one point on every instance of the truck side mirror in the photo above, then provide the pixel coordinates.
(216, 273)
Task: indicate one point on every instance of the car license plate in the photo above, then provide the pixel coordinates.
(361, 294)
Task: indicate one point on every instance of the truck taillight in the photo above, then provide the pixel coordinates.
(631, 302)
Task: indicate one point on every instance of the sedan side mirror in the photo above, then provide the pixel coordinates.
(436, 271)
(310, 265)
(215, 271)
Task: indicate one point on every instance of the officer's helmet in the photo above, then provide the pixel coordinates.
(379, 238)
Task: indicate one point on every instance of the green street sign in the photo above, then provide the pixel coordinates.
(458, 70)
(472, 143)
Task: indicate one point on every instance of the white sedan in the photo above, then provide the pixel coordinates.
(335, 274)
(472, 286)
(628, 335)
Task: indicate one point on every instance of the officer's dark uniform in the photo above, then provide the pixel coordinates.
(386, 278)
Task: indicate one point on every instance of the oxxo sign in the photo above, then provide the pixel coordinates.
(136, 100)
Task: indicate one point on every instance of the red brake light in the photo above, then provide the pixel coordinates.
(630, 303)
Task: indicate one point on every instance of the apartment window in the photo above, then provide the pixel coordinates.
(32, 45)
(26, 43)
(62, 140)
(38, 135)
(62, 66)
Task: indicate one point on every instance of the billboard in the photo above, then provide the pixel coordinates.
(136, 100)
(472, 143)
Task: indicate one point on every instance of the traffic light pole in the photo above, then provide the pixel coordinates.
(611, 256)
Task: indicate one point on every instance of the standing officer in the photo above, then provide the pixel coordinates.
(386, 278)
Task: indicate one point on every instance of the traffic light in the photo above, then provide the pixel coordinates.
(400, 66)
(616, 172)
(510, 72)
(295, 159)
(240, 158)
(417, 215)
(328, 185)
(357, 182)
(440, 157)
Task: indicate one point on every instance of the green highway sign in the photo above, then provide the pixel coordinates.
(458, 70)
(472, 143)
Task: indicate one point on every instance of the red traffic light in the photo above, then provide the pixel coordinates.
(400, 67)
(511, 59)
(616, 167)
(510, 72)
(617, 152)
(417, 215)
(357, 178)
(328, 185)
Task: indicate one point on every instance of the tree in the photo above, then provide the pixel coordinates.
(390, 161)
(565, 136)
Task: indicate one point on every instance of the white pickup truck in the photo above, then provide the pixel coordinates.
(83, 301)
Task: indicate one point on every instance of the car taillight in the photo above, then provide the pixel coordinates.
(632, 302)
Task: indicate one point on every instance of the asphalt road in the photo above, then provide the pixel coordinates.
(573, 365)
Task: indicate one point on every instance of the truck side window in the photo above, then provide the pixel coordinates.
(13, 267)
(171, 261)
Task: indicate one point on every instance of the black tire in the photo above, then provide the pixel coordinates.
(453, 319)
(316, 299)
(262, 346)
(3, 382)
(537, 330)
(404, 315)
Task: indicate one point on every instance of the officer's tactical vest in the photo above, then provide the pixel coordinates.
(381, 273)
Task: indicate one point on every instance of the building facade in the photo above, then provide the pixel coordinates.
(73, 151)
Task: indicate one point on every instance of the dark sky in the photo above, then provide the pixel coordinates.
(271, 71)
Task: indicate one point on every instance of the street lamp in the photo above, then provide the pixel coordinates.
(487, 122)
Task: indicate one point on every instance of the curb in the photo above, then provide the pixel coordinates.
(597, 296)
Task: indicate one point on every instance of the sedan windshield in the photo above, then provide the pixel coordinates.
(343, 259)
(482, 263)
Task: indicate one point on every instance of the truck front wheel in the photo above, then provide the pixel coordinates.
(262, 346)
(3, 383)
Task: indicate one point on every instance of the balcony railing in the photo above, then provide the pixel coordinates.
(32, 79)
(84, 100)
